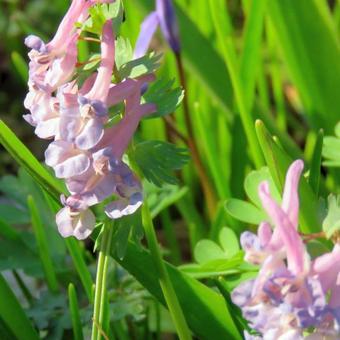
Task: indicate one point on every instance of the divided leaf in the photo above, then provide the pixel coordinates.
(164, 96)
(149, 63)
(157, 160)
(331, 223)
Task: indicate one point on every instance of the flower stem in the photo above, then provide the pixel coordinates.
(100, 290)
(164, 279)
(204, 179)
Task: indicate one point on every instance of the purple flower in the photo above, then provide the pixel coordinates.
(165, 17)
(84, 152)
(290, 294)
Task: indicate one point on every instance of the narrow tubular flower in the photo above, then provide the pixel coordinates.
(292, 297)
(165, 17)
(83, 151)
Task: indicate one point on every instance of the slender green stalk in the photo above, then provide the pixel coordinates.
(230, 58)
(164, 279)
(74, 311)
(43, 249)
(99, 297)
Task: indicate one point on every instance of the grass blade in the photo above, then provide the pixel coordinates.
(43, 249)
(74, 311)
(13, 315)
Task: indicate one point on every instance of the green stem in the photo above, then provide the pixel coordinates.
(222, 25)
(164, 279)
(101, 277)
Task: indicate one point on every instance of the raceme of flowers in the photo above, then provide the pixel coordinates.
(85, 150)
(293, 297)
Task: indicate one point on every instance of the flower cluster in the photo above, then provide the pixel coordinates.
(86, 149)
(293, 297)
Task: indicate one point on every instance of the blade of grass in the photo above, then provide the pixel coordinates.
(13, 315)
(223, 29)
(250, 58)
(74, 311)
(314, 171)
(43, 249)
(308, 62)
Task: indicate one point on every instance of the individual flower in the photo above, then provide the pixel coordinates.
(165, 17)
(291, 294)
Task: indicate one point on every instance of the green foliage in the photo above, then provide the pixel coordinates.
(156, 160)
(331, 149)
(149, 63)
(205, 310)
(331, 224)
(164, 97)
(13, 315)
(100, 13)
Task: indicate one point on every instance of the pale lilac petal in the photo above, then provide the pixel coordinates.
(290, 198)
(29, 119)
(104, 187)
(168, 23)
(123, 207)
(35, 43)
(78, 224)
(90, 135)
(327, 267)
(296, 253)
(72, 166)
(264, 233)
(69, 127)
(48, 128)
(65, 160)
(102, 83)
(146, 33)
(62, 68)
(67, 25)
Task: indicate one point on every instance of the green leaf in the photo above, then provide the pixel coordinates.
(278, 162)
(157, 160)
(252, 182)
(244, 211)
(308, 62)
(123, 51)
(331, 223)
(205, 310)
(93, 61)
(100, 13)
(149, 63)
(213, 268)
(207, 250)
(331, 151)
(229, 241)
(13, 315)
(160, 198)
(166, 99)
